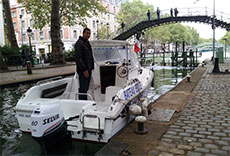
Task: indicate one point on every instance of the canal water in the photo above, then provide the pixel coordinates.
(13, 142)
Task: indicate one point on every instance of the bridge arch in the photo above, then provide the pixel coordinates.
(201, 15)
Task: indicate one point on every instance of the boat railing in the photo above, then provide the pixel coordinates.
(49, 80)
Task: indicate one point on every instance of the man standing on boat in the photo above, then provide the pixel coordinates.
(84, 62)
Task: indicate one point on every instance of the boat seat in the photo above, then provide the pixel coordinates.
(111, 91)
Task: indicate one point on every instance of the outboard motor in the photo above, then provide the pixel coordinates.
(49, 127)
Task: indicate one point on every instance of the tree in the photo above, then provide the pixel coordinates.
(10, 28)
(133, 12)
(227, 37)
(60, 12)
(3, 66)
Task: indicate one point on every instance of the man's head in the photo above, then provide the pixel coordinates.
(86, 33)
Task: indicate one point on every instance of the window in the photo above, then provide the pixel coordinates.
(114, 10)
(94, 24)
(41, 35)
(115, 28)
(94, 36)
(108, 17)
(13, 14)
(15, 25)
(22, 12)
(32, 36)
(49, 35)
(107, 7)
(61, 33)
(75, 34)
(24, 37)
(23, 25)
(116, 2)
(31, 23)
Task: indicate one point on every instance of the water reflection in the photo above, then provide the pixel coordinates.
(13, 142)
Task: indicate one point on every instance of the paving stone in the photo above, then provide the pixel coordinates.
(190, 153)
(153, 152)
(187, 127)
(210, 155)
(171, 132)
(200, 129)
(185, 147)
(219, 134)
(203, 150)
(184, 134)
(211, 146)
(226, 138)
(213, 137)
(206, 141)
(213, 130)
(176, 151)
(190, 139)
(219, 152)
(165, 154)
(226, 148)
(166, 139)
(205, 132)
(172, 136)
(161, 148)
(198, 136)
(195, 144)
(191, 131)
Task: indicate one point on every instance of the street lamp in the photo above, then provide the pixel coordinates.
(225, 46)
(29, 33)
(97, 29)
(213, 27)
(21, 28)
(107, 30)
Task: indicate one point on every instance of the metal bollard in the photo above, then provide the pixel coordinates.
(29, 67)
(140, 125)
(188, 78)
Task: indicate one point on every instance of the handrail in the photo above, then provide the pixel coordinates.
(76, 93)
(49, 80)
(197, 11)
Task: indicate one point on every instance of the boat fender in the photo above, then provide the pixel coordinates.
(145, 104)
(135, 109)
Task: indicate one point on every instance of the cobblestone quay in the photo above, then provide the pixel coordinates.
(203, 129)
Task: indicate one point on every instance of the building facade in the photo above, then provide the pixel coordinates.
(41, 40)
(2, 36)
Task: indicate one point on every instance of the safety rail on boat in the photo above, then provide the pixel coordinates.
(76, 94)
(85, 129)
(49, 80)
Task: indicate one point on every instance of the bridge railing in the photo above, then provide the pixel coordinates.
(197, 11)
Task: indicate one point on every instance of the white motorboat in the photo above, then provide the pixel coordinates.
(51, 109)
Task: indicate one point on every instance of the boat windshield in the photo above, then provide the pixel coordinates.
(103, 54)
(132, 56)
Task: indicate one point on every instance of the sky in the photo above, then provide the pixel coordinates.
(204, 30)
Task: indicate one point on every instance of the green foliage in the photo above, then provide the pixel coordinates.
(11, 55)
(227, 37)
(71, 12)
(132, 13)
(70, 55)
(102, 33)
(131, 10)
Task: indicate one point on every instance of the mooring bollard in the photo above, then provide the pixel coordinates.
(29, 67)
(188, 78)
(140, 125)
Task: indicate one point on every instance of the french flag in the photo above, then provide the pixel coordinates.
(137, 46)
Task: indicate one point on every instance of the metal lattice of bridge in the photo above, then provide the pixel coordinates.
(197, 15)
